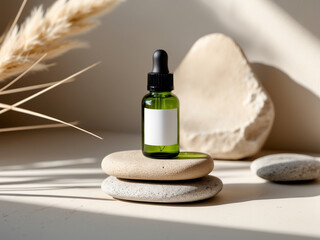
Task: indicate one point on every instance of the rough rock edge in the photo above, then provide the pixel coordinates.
(251, 142)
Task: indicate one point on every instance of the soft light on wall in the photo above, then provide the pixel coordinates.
(285, 53)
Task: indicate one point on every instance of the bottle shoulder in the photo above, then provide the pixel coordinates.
(175, 97)
(160, 95)
(160, 101)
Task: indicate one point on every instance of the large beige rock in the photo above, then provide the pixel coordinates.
(225, 111)
(134, 165)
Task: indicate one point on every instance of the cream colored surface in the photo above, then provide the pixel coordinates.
(281, 38)
(50, 189)
(224, 109)
(133, 165)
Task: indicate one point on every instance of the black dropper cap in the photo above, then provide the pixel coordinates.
(160, 80)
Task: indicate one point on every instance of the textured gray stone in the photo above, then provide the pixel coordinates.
(162, 191)
(287, 167)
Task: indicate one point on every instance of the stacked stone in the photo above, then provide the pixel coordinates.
(132, 176)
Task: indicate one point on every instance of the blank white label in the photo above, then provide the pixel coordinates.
(160, 127)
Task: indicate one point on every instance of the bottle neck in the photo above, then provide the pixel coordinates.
(160, 94)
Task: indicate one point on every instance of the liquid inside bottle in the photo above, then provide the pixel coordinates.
(160, 112)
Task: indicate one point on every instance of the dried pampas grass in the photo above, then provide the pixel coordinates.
(44, 35)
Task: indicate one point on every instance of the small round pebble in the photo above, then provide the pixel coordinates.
(287, 167)
(162, 191)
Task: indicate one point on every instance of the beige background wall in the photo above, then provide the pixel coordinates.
(281, 39)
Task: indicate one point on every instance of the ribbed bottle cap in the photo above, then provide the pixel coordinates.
(160, 80)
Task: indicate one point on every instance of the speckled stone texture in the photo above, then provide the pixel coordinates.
(287, 167)
(162, 192)
(134, 165)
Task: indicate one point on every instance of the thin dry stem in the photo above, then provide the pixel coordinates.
(44, 36)
(22, 74)
(47, 89)
(33, 127)
(14, 21)
(30, 88)
(40, 115)
(17, 17)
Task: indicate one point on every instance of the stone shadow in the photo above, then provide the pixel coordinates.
(244, 192)
(297, 111)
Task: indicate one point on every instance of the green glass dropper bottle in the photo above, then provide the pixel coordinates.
(160, 112)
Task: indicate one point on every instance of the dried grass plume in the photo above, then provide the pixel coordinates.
(42, 36)
(46, 32)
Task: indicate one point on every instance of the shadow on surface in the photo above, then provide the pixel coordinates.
(26, 189)
(230, 167)
(71, 149)
(51, 177)
(54, 196)
(305, 14)
(56, 223)
(244, 192)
